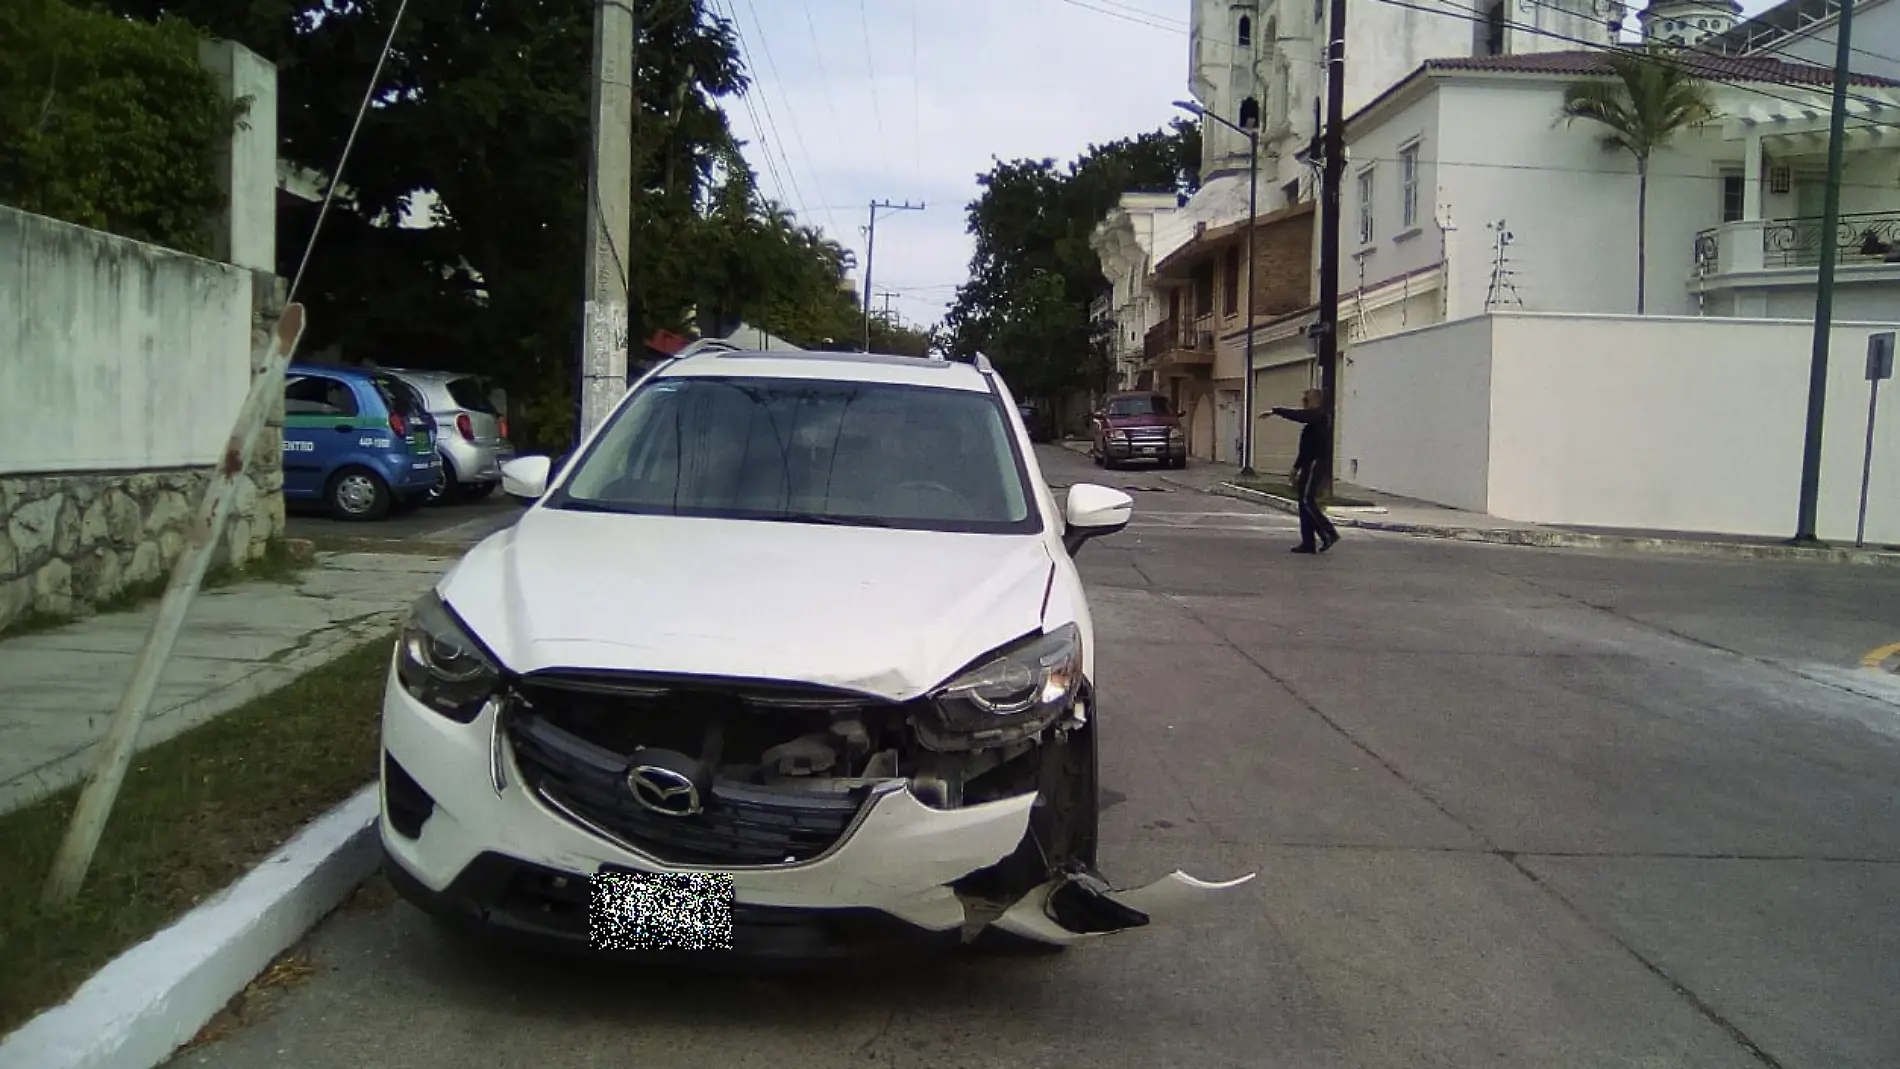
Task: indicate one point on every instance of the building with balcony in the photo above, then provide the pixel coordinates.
(1466, 193)
(1125, 242)
(1196, 354)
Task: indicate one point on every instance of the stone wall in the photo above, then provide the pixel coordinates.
(71, 541)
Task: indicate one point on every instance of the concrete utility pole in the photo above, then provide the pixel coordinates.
(1332, 176)
(870, 252)
(604, 339)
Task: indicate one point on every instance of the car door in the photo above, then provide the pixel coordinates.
(319, 427)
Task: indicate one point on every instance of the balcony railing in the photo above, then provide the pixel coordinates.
(1860, 238)
(1174, 335)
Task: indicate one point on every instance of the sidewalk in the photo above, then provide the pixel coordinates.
(1399, 515)
(238, 643)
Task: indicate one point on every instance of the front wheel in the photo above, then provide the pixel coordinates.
(1065, 829)
(357, 494)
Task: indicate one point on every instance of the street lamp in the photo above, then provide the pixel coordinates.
(1253, 192)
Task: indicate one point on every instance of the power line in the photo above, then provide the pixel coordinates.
(797, 134)
(870, 67)
(824, 79)
(767, 134)
(916, 104)
(1137, 20)
(1644, 35)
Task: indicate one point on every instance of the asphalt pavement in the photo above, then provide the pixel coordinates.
(461, 522)
(1512, 807)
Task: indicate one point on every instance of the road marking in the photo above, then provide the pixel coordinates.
(1880, 655)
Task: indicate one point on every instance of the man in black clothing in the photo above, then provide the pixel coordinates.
(1316, 457)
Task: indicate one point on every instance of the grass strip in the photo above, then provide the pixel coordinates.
(196, 813)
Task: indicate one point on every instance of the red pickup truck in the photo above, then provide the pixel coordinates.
(1137, 426)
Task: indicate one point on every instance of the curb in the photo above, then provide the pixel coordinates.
(1546, 538)
(137, 1011)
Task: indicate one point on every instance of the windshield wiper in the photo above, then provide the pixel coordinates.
(581, 504)
(825, 519)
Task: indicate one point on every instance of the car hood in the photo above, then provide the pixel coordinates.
(1151, 420)
(883, 612)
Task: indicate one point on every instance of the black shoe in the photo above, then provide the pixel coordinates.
(1304, 549)
(1328, 543)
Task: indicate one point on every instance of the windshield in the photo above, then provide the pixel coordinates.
(1138, 406)
(870, 454)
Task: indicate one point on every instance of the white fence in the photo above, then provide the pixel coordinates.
(1660, 423)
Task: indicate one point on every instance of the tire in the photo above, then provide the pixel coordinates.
(357, 494)
(1078, 774)
(478, 491)
(446, 490)
(1177, 465)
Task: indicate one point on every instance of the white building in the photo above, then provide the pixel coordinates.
(1687, 23)
(1804, 30)
(1464, 145)
(1125, 242)
(1265, 60)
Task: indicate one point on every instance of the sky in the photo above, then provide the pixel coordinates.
(911, 100)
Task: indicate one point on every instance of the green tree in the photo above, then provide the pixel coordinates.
(1647, 100)
(485, 106)
(109, 124)
(1033, 272)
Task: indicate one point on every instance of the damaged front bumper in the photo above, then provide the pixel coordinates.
(466, 837)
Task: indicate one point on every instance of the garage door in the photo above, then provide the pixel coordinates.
(1277, 441)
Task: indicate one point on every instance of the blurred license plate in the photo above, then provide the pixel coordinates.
(660, 911)
(1151, 450)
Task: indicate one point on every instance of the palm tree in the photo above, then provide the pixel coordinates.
(1647, 101)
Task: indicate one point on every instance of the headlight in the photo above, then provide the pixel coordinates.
(1012, 696)
(1118, 435)
(441, 665)
(1175, 434)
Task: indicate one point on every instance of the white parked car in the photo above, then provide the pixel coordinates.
(791, 659)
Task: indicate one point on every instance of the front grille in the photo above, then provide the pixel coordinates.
(1148, 435)
(572, 739)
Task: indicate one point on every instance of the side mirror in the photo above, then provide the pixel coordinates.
(1094, 511)
(526, 478)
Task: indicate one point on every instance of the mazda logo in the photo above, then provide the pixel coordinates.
(664, 791)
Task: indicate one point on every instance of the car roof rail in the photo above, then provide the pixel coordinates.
(704, 345)
(982, 363)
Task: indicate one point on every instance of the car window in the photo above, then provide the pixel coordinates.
(1138, 406)
(399, 396)
(472, 394)
(868, 453)
(318, 395)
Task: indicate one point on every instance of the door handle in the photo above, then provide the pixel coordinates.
(344, 428)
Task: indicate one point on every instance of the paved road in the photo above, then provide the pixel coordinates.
(465, 522)
(1509, 807)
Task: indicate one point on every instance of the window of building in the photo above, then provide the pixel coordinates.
(1249, 114)
(1732, 198)
(1365, 206)
(1408, 186)
(1204, 290)
(1488, 33)
(1230, 282)
(1246, 32)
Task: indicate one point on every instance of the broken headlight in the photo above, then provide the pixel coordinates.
(441, 665)
(1017, 693)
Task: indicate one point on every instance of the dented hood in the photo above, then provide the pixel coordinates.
(884, 612)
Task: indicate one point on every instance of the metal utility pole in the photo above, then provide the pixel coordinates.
(870, 253)
(1824, 292)
(609, 217)
(1332, 176)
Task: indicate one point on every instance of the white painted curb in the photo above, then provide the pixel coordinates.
(137, 1011)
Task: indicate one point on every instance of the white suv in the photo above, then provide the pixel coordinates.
(791, 659)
